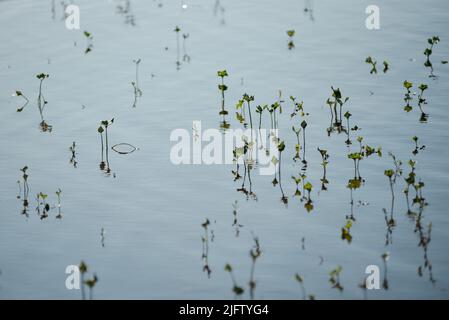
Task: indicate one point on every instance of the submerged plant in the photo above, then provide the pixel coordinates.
(290, 34)
(428, 52)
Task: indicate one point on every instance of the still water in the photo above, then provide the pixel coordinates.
(139, 227)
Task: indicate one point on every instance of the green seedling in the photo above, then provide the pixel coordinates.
(259, 110)
(23, 186)
(417, 146)
(346, 231)
(408, 95)
(177, 30)
(348, 115)
(297, 181)
(205, 242)
(103, 128)
(373, 64)
(236, 289)
(324, 163)
(89, 44)
(428, 52)
(309, 203)
(281, 148)
(254, 253)
(222, 87)
(334, 278)
(58, 205)
(335, 102)
(386, 66)
(41, 103)
(72, 149)
(290, 34)
(19, 93)
(298, 108)
(235, 222)
(42, 206)
(422, 101)
(135, 84)
(298, 144)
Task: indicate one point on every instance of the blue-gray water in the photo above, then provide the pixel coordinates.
(152, 210)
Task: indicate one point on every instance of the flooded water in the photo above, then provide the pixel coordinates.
(139, 225)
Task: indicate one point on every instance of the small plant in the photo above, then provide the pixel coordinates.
(42, 206)
(222, 87)
(373, 64)
(428, 52)
(290, 34)
(103, 128)
(386, 66)
(297, 181)
(336, 102)
(58, 205)
(178, 63)
(309, 203)
(259, 110)
(304, 126)
(334, 278)
(298, 144)
(346, 231)
(41, 103)
(408, 95)
(19, 93)
(422, 101)
(324, 163)
(205, 241)
(281, 148)
(417, 146)
(72, 149)
(348, 115)
(135, 84)
(90, 283)
(26, 189)
(236, 289)
(254, 253)
(89, 39)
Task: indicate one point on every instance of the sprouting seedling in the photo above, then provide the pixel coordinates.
(205, 241)
(389, 221)
(259, 110)
(235, 222)
(90, 283)
(26, 190)
(298, 108)
(72, 149)
(385, 257)
(298, 144)
(185, 57)
(417, 146)
(236, 289)
(281, 148)
(19, 93)
(297, 181)
(135, 84)
(386, 66)
(346, 231)
(348, 115)
(428, 52)
(89, 45)
(334, 278)
(103, 128)
(336, 102)
(373, 64)
(248, 100)
(309, 203)
(240, 115)
(178, 63)
(290, 34)
(41, 103)
(422, 101)
(222, 87)
(408, 95)
(304, 126)
(42, 205)
(254, 253)
(58, 205)
(324, 163)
